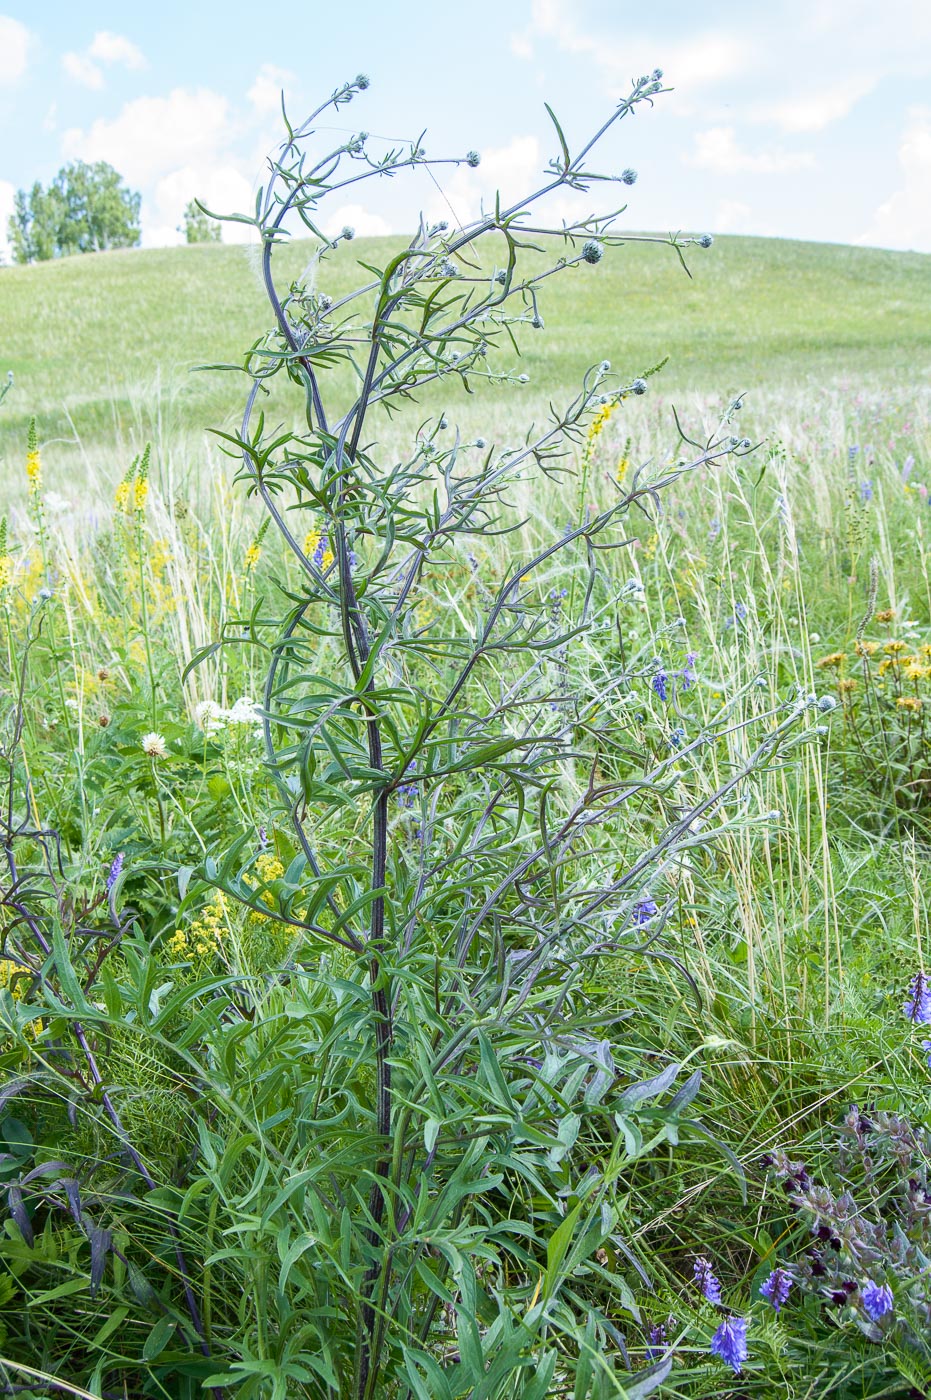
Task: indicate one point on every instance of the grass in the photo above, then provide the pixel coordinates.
(799, 927)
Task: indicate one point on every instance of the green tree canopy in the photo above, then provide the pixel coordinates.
(86, 209)
(198, 227)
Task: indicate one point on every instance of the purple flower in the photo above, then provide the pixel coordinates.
(115, 870)
(687, 674)
(644, 911)
(660, 683)
(730, 1342)
(926, 1046)
(740, 611)
(918, 1006)
(776, 1288)
(657, 1345)
(907, 466)
(706, 1281)
(876, 1299)
(866, 491)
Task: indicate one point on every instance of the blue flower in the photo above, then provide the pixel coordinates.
(877, 1299)
(740, 611)
(926, 1046)
(730, 1342)
(687, 674)
(918, 1006)
(776, 1288)
(705, 241)
(644, 911)
(706, 1281)
(660, 683)
(866, 491)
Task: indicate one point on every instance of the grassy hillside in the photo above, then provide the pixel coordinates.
(102, 346)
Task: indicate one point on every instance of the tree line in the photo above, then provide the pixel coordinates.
(87, 208)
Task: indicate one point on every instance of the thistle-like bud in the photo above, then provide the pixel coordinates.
(592, 250)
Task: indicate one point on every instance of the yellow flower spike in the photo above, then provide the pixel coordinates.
(122, 493)
(253, 554)
(33, 460)
(6, 571)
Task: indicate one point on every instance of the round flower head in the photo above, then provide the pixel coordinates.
(362, 81)
(629, 177)
(877, 1299)
(347, 232)
(473, 159)
(730, 1342)
(639, 386)
(705, 241)
(592, 250)
(154, 745)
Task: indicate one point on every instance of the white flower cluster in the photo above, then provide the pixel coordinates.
(212, 718)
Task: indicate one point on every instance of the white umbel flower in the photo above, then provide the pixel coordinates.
(154, 745)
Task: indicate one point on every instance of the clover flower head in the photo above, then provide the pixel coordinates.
(729, 1343)
(705, 1280)
(628, 176)
(154, 745)
(877, 1299)
(473, 159)
(918, 1005)
(705, 241)
(775, 1289)
(592, 250)
(114, 872)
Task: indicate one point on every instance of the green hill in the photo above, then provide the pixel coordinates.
(102, 346)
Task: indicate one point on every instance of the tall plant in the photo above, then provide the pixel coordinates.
(493, 856)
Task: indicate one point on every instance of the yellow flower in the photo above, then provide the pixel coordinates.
(847, 685)
(269, 867)
(33, 460)
(12, 977)
(140, 494)
(866, 648)
(122, 494)
(885, 615)
(177, 943)
(893, 648)
(623, 467)
(6, 570)
(916, 672)
(908, 702)
(836, 658)
(253, 554)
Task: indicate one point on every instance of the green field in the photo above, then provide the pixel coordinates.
(796, 912)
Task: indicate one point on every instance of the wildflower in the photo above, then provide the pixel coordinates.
(252, 557)
(103, 721)
(114, 873)
(847, 685)
(909, 702)
(639, 386)
(705, 241)
(448, 268)
(154, 745)
(592, 250)
(893, 648)
(33, 460)
(826, 704)
(11, 977)
(269, 867)
(740, 612)
(836, 658)
(121, 494)
(926, 1046)
(644, 911)
(705, 1280)
(915, 671)
(6, 570)
(687, 674)
(866, 491)
(628, 176)
(140, 494)
(347, 232)
(730, 1342)
(918, 1006)
(177, 943)
(362, 81)
(243, 711)
(660, 684)
(877, 1299)
(885, 615)
(473, 159)
(866, 648)
(657, 1339)
(317, 547)
(776, 1288)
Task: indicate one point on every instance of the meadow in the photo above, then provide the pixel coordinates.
(781, 952)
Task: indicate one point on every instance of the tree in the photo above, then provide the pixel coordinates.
(198, 226)
(86, 209)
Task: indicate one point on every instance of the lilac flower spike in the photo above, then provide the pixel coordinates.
(115, 870)
(918, 1006)
(776, 1288)
(659, 684)
(730, 1342)
(706, 1281)
(877, 1299)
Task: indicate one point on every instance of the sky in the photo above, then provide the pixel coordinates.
(790, 118)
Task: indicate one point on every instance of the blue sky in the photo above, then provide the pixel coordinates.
(793, 118)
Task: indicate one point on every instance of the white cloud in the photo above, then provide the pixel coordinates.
(732, 216)
(82, 70)
(7, 194)
(813, 111)
(514, 169)
(265, 92)
(152, 135)
(116, 48)
(357, 217)
(688, 63)
(904, 219)
(222, 188)
(717, 150)
(14, 49)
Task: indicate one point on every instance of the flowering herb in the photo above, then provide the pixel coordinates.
(877, 1300)
(775, 1289)
(730, 1342)
(114, 872)
(918, 1005)
(705, 1280)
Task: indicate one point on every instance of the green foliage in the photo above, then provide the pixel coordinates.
(198, 227)
(86, 209)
